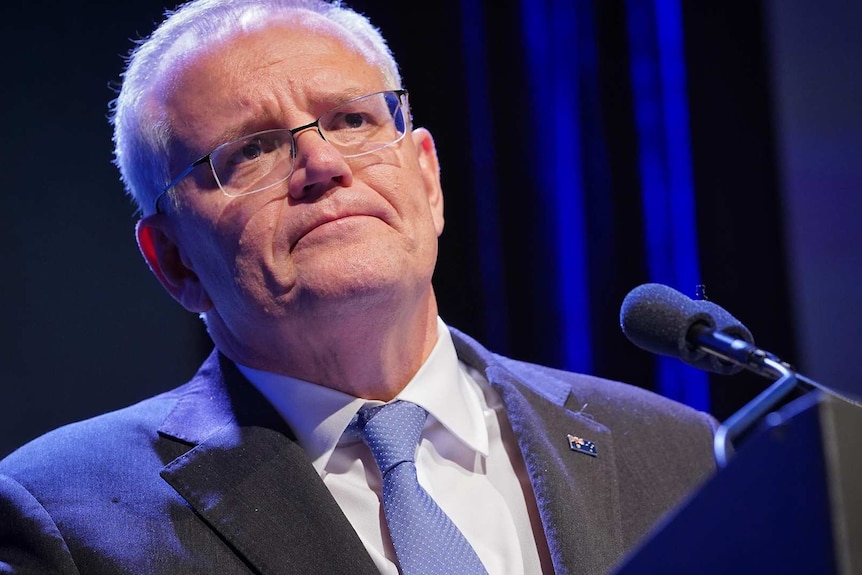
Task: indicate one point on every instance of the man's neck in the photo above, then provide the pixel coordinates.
(372, 354)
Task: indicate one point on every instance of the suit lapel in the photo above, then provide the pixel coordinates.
(252, 483)
(576, 494)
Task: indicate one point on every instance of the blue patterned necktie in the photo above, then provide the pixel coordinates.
(425, 539)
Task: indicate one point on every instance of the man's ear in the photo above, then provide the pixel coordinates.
(430, 168)
(159, 246)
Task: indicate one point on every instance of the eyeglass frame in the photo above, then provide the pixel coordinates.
(400, 93)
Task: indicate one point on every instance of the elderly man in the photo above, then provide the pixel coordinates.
(339, 426)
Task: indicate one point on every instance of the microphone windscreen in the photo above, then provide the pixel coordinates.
(657, 318)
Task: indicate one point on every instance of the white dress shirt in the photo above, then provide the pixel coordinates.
(467, 460)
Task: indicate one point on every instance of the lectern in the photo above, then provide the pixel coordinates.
(789, 501)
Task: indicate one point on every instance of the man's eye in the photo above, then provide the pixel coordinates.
(354, 120)
(348, 121)
(253, 149)
(250, 151)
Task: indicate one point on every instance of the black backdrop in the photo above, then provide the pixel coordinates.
(87, 329)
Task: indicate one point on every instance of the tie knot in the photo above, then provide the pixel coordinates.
(391, 431)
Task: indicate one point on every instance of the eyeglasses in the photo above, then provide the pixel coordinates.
(265, 159)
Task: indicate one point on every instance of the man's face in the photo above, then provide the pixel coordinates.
(341, 235)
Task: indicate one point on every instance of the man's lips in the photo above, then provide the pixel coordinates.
(337, 219)
(326, 219)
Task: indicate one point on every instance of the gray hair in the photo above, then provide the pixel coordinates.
(142, 133)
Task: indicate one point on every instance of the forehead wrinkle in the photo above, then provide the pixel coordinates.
(256, 96)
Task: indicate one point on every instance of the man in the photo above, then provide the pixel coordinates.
(287, 199)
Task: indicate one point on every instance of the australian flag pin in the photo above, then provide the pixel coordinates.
(582, 445)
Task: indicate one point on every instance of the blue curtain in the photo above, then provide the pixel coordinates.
(552, 44)
(661, 114)
(596, 151)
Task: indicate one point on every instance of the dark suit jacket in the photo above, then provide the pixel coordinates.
(207, 478)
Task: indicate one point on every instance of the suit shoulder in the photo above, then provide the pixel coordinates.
(612, 398)
(92, 442)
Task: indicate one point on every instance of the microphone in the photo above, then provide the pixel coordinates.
(661, 320)
(664, 321)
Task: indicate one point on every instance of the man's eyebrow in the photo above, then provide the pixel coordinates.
(336, 98)
(243, 128)
(240, 130)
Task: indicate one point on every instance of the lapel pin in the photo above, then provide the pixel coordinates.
(582, 446)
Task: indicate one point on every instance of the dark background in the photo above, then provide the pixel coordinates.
(776, 136)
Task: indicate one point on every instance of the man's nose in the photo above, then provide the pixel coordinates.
(319, 165)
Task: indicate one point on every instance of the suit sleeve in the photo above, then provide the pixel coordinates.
(30, 542)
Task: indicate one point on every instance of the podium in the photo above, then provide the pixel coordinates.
(789, 501)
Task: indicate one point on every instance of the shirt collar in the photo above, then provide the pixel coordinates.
(319, 415)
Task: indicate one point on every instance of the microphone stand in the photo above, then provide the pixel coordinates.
(751, 412)
(761, 362)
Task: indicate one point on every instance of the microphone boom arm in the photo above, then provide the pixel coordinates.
(754, 359)
(751, 412)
